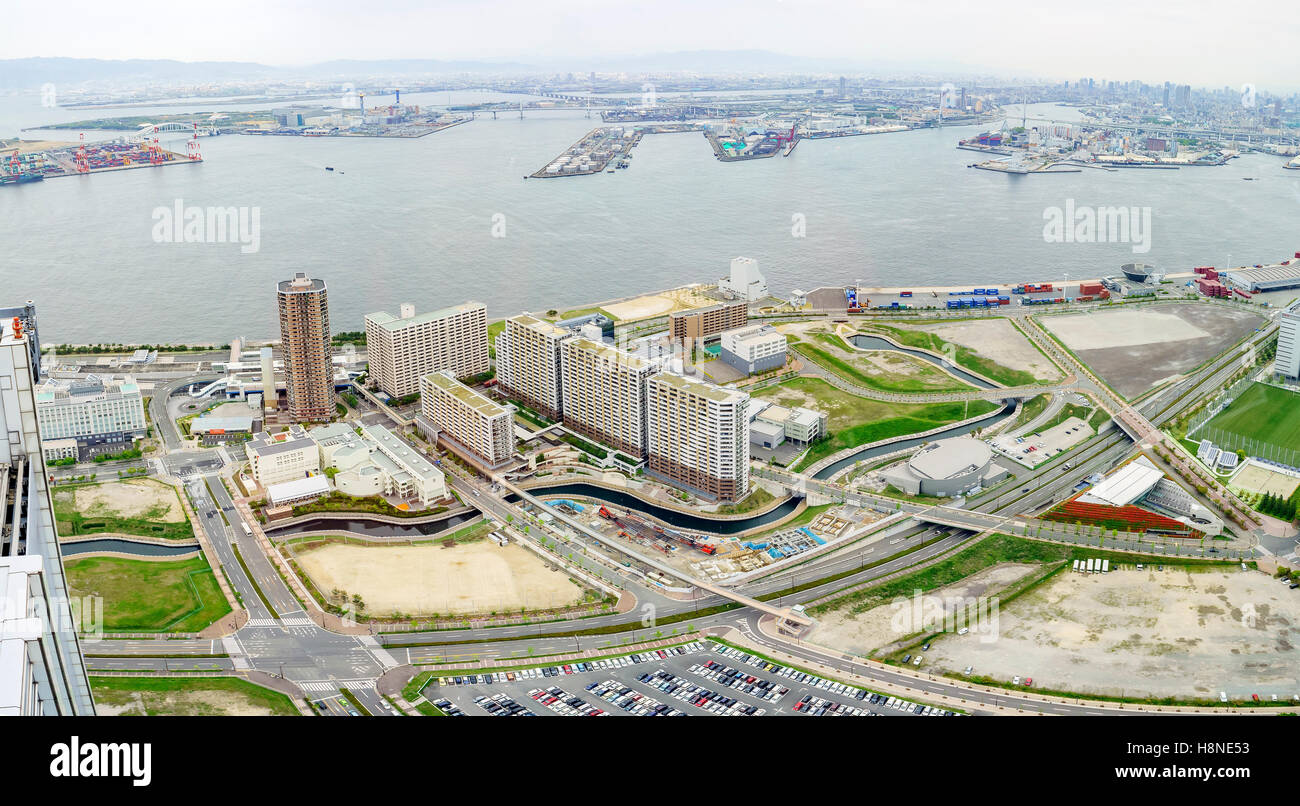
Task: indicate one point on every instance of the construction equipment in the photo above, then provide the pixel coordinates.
(632, 526)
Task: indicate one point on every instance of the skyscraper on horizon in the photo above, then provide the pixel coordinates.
(305, 344)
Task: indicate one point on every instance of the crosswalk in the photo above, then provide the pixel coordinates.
(335, 685)
(297, 621)
(262, 622)
(382, 655)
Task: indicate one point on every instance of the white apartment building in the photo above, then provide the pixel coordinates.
(698, 435)
(528, 363)
(754, 349)
(745, 281)
(467, 419)
(283, 456)
(404, 348)
(87, 416)
(1287, 360)
(605, 394)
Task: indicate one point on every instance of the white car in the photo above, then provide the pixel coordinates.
(1015, 681)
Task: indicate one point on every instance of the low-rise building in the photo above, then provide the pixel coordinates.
(947, 467)
(467, 419)
(754, 349)
(283, 456)
(745, 281)
(798, 424)
(101, 416)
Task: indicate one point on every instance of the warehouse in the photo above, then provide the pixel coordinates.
(1266, 278)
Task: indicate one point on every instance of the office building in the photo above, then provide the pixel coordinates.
(745, 282)
(1287, 360)
(283, 456)
(528, 364)
(605, 394)
(41, 669)
(89, 416)
(405, 348)
(704, 322)
(466, 419)
(305, 346)
(698, 436)
(753, 349)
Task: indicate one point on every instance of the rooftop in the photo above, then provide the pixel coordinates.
(946, 458)
(608, 353)
(699, 388)
(1126, 485)
(541, 326)
(465, 394)
(391, 322)
(300, 283)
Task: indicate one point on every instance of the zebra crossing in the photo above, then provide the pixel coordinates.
(262, 622)
(335, 685)
(297, 621)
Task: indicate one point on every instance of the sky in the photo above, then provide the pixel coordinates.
(1198, 42)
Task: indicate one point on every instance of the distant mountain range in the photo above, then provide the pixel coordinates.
(30, 73)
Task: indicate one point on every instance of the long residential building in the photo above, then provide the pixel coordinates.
(41, 667)
(704, 322)
(305, 344)
(467, 418)
(698, 435)
(79, 419)
(404, 348)
(1287, 359)
(605, 394)
(528, 363)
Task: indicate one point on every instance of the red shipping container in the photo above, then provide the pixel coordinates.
(1089, 288)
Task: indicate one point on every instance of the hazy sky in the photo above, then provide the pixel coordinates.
(1197, 42)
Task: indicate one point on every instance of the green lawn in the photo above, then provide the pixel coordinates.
(1029, 409)
(857, 421)
(187, 696)
(757, 499)
(149, 596)
(1262, 413)
(908, 374)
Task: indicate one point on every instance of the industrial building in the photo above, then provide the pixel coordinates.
(1265, 278)
(305, 345)
(745, 282)
(698, 436)
(528, 363)
(41, 668)
(285, 456)
(704, 322)
(404, 348)
(1286, 361)
(580, 324)
(946, 468)
(605, 394)
(461, 416)
(753, 349)
(89, 416)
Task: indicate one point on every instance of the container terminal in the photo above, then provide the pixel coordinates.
(24, 161)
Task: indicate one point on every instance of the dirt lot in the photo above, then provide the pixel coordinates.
(1138, 348)
(880, 626)
(1258, 479)
(477, 577)
(1177, 632)
(679, 299)
(134, 498)
(1000, 342)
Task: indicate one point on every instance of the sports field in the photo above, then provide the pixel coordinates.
(1264, 414)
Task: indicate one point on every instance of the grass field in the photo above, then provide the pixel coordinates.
(187, 696)
(884, 371)
(858, 421)
(1264, 414)
(964, 356)
(147, 596)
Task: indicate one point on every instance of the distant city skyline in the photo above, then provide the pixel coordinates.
(1112, 39)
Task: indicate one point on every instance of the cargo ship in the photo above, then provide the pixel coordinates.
(20, 179)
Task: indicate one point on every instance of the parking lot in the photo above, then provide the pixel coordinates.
(1032, 450)
(702, 678)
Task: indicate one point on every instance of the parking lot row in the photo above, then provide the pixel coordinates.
(541, 672)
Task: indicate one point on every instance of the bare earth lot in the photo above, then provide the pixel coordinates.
(1000, 342)
(1259, 479)
(134, 498)
(880, 626)
(477, 577)
(1172, 633)
(1136, 349)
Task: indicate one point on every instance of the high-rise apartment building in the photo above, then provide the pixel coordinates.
(698, 435)
(305, 344)
(467, 418)
(41, 669)
(404, 348)
(605, 394)
(1287, 360)
(528, 363)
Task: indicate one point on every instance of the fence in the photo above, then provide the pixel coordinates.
(1265, 452)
